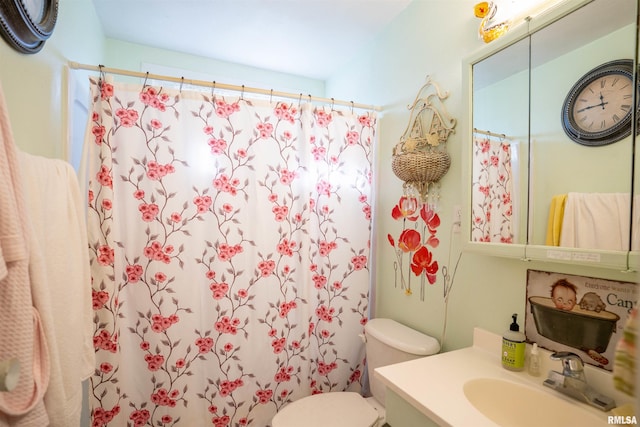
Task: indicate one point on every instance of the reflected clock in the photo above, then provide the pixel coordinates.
(598, 108)
(27, 24)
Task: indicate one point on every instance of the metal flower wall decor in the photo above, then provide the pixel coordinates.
(420, 159)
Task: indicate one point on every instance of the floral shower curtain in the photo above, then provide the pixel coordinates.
(492, 201)
(229, 244)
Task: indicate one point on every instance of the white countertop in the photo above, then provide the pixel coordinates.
(434, 384)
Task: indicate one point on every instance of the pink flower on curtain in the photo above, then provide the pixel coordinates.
(104, 177)
(264, 129)
(202, 203)
(218, 145)
(285, 247)
(98, 131)
(287, 177)
(134, 272)
(106, 90)
(352, 137)
(266, 267)
(286, 112)
(106, 255)
(157, 171)
(224, 109)
(365, 120)
(127, 117)
(226, 184)
(359, 262)
(323, 118)
(99, 299)
(323, 188)
(280, 212)
(219, 290)
(318, 153)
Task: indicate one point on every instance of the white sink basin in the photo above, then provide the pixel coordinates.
(510, 404)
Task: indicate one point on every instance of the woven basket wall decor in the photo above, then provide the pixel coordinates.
(420, 157)
(421, 166)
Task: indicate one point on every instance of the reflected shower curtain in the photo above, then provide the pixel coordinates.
(229, 244)
(492, 201)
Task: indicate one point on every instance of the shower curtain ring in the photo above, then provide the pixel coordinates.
(270, 96)
(332, 103)
(213, 88)
(299, 100)
(145, 80)
(242, 94)
(102, 77)
(181, 83)
(351, 107)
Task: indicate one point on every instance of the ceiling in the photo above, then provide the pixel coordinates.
(310, 38)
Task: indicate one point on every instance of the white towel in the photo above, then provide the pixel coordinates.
(63, 296)
(596, 221)
(20, 328)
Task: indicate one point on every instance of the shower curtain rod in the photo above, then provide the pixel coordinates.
(486, 132)
(77, 66)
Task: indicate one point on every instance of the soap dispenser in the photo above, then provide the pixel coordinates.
(513, 347)
(534, 361)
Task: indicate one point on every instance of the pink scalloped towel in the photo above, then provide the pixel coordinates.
(624, 364)
(21, 334)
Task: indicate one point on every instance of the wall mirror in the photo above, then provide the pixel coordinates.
(533, 191)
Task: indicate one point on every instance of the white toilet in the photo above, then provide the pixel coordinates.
(387, 342)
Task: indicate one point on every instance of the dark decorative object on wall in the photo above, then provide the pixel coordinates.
(597, 110)
(27, 24)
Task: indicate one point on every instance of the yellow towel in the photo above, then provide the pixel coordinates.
(624, 365)
(554, 224)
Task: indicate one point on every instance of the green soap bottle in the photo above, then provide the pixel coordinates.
(513, 347)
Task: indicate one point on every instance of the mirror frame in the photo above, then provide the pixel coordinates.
(619, 260)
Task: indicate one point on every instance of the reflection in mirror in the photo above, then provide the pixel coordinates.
(499, 161)
(635, 213)
(579, 195)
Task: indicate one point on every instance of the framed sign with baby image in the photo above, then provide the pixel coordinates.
(584, 315)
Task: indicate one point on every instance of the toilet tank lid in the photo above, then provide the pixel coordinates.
(402, 337)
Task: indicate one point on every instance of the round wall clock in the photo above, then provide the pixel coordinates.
(598, 108)
(27, 24)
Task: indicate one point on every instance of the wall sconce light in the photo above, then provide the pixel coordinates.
(421, 159)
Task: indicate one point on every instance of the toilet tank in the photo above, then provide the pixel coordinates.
(389, 342)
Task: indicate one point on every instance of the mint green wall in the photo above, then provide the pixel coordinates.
(130, 56)
(431, 38)
(35, 86)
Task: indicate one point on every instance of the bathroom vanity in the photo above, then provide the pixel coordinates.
(469, 387)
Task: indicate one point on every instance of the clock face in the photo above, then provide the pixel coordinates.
(598, 108)
(603, 103)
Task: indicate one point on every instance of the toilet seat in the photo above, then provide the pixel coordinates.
(339, 409)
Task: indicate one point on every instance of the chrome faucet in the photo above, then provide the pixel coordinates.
(572, 382)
